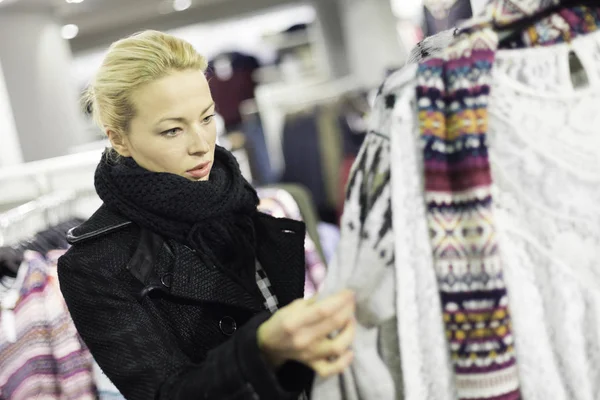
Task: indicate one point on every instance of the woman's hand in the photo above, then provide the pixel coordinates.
(316, 333)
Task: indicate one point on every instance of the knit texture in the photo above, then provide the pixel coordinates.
(211, 216)
(170, 344)
(41, 354)
(452, 95)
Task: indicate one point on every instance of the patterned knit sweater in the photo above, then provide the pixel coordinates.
(544, 164)
(41, 354)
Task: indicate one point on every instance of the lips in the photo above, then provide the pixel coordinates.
(199, 171)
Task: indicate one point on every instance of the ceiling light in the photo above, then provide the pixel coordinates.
(69, 31)
(180, 5)
(74, 1)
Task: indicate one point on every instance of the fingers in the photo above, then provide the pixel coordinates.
(332, 324)
(318, 311)
(334, 356)
(337, 347)
(300, 332)
(325, 368)
(331, 315)
(295, 316)
(302, 314)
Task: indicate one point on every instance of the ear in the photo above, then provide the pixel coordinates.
(119, 143)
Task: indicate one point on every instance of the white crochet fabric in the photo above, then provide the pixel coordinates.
(544, 141)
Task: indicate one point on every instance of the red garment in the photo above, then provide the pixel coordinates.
(229, 93)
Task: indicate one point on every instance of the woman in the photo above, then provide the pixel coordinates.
(170, 282)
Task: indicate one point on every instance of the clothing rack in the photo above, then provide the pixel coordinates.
(25, 220)
(274, 101)
(32, 238)
(26, 182)
(36, 195)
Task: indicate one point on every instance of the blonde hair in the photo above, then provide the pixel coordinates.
(131, 63)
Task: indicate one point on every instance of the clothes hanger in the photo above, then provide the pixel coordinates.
(10, 261)
(506, 32)
(48, 240)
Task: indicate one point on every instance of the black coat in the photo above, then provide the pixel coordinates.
(161, 324)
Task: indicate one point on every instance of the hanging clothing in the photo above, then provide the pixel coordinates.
(533, 125)
(330, 150)
(313, 150)
(303, 161)
(10, 260)
(41, 355)
(258, 153)
(353, 128)
(329, 234)
(231, 81)
(345, 169)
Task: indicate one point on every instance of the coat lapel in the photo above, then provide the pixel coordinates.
(192, 279)
(280, 250)
(181, 272)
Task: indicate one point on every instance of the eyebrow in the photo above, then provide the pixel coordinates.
(180, 119)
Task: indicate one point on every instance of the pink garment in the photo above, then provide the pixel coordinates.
(41, 354)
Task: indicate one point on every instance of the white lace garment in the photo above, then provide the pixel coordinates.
(544, 142)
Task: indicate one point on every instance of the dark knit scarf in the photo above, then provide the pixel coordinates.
(214, 217)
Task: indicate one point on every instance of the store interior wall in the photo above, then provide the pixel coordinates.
(43, 97)
(10, 150)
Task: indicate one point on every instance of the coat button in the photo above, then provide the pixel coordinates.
(228, 326)
(166, 279)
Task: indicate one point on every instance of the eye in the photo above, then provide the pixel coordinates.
(171, 132)
(208, 119)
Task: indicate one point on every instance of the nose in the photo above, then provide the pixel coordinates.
(198, 141)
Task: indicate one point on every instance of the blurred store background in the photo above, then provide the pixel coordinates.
(293, 82)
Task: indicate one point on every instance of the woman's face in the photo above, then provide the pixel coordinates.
(174, 130)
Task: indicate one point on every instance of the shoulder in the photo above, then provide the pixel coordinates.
(106, 240)
(103, 222)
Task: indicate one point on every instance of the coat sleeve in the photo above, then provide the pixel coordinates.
(141, 356)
